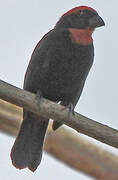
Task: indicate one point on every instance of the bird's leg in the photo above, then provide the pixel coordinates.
(71, 109)
(39, 97)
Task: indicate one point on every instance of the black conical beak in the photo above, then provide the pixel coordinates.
(96, 21)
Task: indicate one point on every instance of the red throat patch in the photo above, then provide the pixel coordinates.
(81, 36)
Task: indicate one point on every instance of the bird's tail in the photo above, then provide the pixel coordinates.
(27, 149)
(56, 125)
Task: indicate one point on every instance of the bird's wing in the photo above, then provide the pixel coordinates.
(43, 54)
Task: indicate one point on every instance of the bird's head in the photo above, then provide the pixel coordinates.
(80, 18)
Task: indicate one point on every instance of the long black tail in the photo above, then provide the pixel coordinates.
(56, 124)
(27, 149)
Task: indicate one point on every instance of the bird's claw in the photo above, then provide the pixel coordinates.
(39, 97)
(71, 110)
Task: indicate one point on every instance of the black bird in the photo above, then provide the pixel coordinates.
(57, 70)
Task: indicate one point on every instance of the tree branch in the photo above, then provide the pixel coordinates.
(66, 146)
(55, 111)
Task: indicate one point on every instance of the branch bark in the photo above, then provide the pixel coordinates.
(66, 146)
(55, 111)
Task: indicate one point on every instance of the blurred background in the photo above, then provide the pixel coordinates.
(22, 25)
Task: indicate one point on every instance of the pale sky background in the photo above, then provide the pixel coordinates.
(22, 24)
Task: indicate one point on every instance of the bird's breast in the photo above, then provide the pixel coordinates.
(68, 70)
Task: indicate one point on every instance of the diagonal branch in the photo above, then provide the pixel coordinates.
(66, 146)
(55, 111)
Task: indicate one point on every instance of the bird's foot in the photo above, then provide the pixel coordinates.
(39, 97)
(71, 110)
(70, 107)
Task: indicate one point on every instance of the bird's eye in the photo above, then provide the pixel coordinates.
(81, 12)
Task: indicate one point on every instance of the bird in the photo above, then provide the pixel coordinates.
(57, 70)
